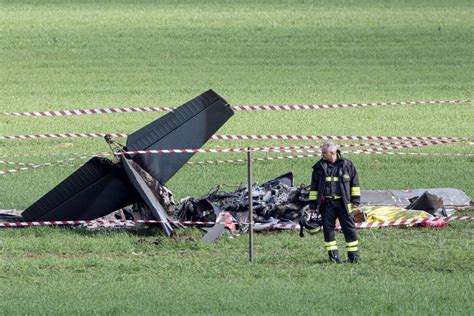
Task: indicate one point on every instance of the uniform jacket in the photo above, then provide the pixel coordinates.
(346, 177)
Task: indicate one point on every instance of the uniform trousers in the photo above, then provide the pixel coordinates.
(330, 211)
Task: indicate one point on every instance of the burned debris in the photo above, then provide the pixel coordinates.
(278, 201)
(275, 199)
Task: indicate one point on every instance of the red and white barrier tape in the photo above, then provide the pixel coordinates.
(372, 224)
(37, 165)
(90, 111)
(318, 156)
(270, 226)
(183, 151)
(3, 172)
(365, 152)
(49, 154)
(403, 144)
(410, 221)
(386, 146)
(335, 138)
(102, 222)
(283, 149)
(29, 166)
(338, 105)
(376, 152)
(16, 163)
(408, 144)
(62, 135)
(292, 107)
(243, 137)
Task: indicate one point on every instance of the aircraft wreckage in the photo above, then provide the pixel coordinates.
(101, 186)
(133, 186)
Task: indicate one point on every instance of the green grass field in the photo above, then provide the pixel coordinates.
(73, 54)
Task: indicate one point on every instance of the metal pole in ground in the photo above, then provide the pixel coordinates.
(250, 197)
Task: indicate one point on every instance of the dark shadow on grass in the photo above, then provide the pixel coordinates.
(145, 232)
(320, 261)
(179, 235)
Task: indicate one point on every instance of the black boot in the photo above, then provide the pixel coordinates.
(353, 256)
(334, 256)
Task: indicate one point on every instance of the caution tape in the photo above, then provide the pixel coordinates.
(243, 137)
(403, 144)
(78, 155)
(235, 150)
(9, 171)
(204, 162)
(319, 156)
(183, 151)
(63, 135)
(410, 221)
(335, 138)
(78, 112)
(270, 226)
(283, 149)
(30, 166)
(102, 222)
(293, 107)
(377, 152)
(339, 105)
(16, 163)
(371, 224)
(384, 145)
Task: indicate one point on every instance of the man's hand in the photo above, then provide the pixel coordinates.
(355, 207)
(352, 207)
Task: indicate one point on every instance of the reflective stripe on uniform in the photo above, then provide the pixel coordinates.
(333, 179)
(349, 207)
(313, 195)
(331, 245)
(313, 230)
(352, 243)
(352, 246)
(355, 191)
(334, 197)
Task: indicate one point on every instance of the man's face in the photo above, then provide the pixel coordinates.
(329, 156)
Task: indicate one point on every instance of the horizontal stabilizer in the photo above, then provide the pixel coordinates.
(96, 189)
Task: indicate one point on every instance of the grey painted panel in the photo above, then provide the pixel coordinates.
(451, 197)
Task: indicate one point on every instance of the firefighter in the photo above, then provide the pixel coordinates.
(334, 192)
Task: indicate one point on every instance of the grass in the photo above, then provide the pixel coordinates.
(74, 54)
(423, 271)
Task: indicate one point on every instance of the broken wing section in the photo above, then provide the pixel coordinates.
(187, 127)
(96, 189)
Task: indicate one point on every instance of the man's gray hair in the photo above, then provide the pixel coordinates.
(330, 146)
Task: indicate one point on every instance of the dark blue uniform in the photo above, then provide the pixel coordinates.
(334, 190)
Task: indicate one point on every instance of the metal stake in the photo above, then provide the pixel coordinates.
(249, 173)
